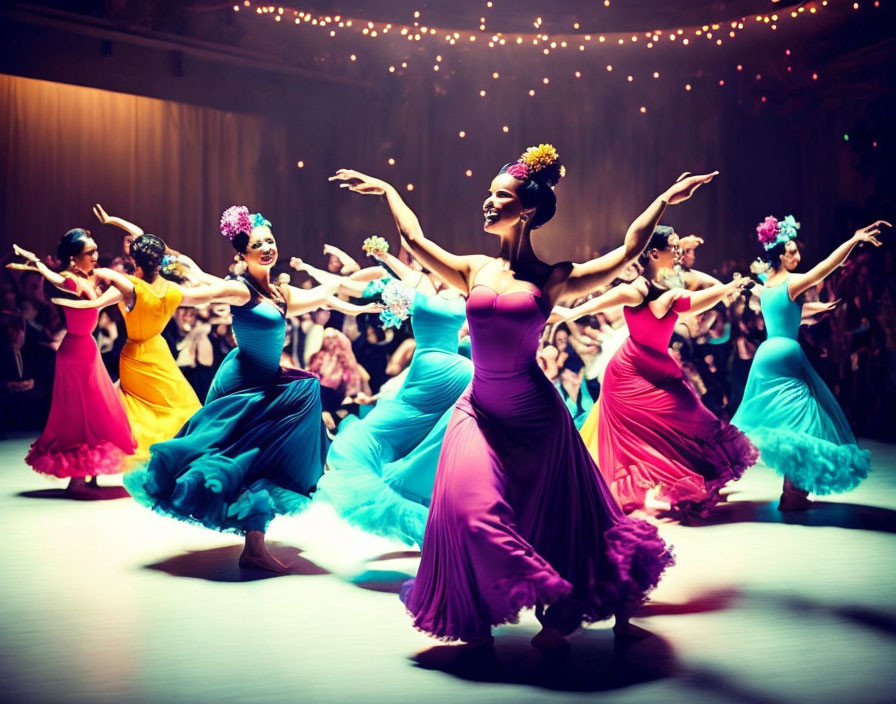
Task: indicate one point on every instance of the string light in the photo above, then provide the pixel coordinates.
(300, 164)
(391, 161)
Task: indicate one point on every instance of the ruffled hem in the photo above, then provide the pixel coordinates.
(194, 502)
(815, 465)
(520, 593)
(381, 511)
(737, 455)
(81, 461)
(639, 556)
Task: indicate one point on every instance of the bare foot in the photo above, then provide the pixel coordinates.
(550, 639)
(266, 562)
(255, 555)
(78, 488)
(628, 631)
(793, 498)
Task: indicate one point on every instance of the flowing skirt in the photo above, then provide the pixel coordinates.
(157, 398)
(87, 433)
(796, 422)
(382, 467)
(248, 455)
(653, 431)
(520, 517)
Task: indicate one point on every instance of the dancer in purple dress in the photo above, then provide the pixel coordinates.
(520, 516)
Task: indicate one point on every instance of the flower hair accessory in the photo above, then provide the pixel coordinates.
(258, 220)
(772, 231)
(398, 299)
(234, 220)
(375, 245)
(541, 162)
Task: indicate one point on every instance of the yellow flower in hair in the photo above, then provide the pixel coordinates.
(540, 157)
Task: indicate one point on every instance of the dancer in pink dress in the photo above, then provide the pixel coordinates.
(520, 516)
(657, 445)
(87, 432)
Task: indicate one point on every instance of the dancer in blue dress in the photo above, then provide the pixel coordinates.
(787, 411)
(382, 468)
(257, 447)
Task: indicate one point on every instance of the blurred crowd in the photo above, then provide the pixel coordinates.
(853, 347)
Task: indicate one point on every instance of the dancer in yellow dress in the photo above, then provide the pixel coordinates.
(156, 396)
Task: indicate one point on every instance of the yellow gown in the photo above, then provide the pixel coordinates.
(157, 398)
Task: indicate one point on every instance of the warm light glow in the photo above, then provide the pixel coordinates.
(656, 74)
(630, 79)
(461, 134)
(300, 164)
(643, 109)
(482, 93)
(545, 80)
(578, 74)
(687, 86)
(505, 129)
(495, 75)
(531, 92)
(468, 173)
(353, 57)
(391, 161)
(609, 67)
(410, 186)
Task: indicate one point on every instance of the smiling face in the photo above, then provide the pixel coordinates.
(502, 207)
(790, 260)
(666, 258)
(261, 252)
(86, 260)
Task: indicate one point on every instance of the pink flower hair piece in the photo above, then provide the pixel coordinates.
(519, 171)
(767, 231)
(234, 220)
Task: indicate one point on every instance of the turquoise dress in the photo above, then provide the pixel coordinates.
(257, 447)
(789, 413)
(381, 468)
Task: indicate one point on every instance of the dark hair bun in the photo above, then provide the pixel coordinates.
(72, 244)
(147, 252)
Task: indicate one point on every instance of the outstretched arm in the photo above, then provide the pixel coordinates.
(701, 300)
(334, 303)
(223, 291)
(803, 282)
(130, 228)
(346, 285)
(35, 264)
(588, 276)
(452, 268)
(621, 295)
(109, 297)
(349, 265)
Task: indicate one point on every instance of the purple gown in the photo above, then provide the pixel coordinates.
(520, 515)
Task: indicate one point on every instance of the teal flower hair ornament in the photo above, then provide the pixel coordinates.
(259, 220)
(398, 299)
(787, 229)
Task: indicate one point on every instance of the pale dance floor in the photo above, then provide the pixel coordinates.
(107, 602)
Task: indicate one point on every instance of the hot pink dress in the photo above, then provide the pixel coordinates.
(520, 515)
(653, 431)
(87, 432)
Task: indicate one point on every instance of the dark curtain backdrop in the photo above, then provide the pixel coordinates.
(172, 166)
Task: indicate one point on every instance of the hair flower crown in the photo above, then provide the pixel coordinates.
(772, 231)
(542, 162)
(237, 219)
(375, 245)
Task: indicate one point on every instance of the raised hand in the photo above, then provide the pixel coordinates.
(359, 183)
(101, 214)
(869, 233)
(25, 254)
(297, 263)
(689, 242)
(375, 308)
(685, 186)
(21, 267)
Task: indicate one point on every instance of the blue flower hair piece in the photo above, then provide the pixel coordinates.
(398, 299)
(259, 220)
(787, 228)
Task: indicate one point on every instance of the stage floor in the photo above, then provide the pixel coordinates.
(107, 602)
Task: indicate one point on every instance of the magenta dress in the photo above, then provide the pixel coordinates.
(653, 431)
(87, 431)
(520, 515)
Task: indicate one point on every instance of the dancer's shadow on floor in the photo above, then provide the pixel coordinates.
(222, 564)
(100, 493)
(595, 662)
(821, 514)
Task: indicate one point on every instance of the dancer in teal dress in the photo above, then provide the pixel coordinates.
(257, 447)
(382, 468)
(787, 411)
